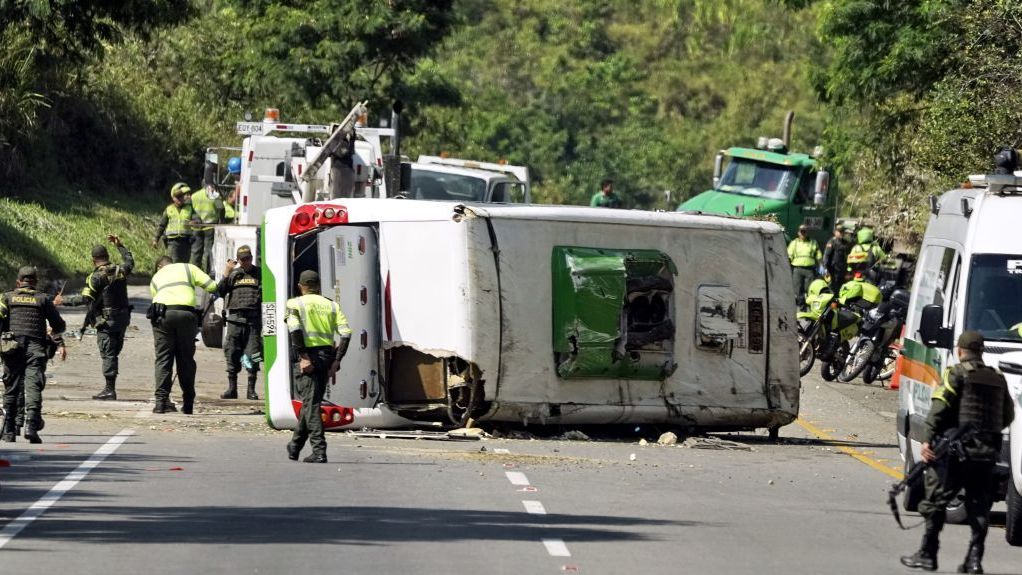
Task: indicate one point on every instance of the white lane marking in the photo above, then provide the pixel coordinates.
(517, 478)
(11, 530)
(502, 451)
(556, 548)
(534, 507)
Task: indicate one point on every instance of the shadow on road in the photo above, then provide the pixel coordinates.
(329, 525)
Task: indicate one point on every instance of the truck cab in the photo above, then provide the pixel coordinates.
(439, 178)
(770, 182)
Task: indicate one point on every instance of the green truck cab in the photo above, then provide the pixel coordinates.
(770, 181)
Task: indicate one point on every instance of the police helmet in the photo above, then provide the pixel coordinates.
(818, 286)
(179, 189)
(865, 235)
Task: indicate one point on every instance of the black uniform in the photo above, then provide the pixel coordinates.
(975, 395)
(835, 261)
(243, 292)
(24, 313)
(106, 293)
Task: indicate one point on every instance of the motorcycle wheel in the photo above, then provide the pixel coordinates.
(869, 375)
(831, 369)
(806, 353)
(858, 362)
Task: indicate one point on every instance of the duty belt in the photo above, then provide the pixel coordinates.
(182, 308)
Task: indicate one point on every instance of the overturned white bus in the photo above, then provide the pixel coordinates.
(537, 314)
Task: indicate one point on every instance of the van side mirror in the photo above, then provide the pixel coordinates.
(718, 167)
(822, 188)
(931, 327)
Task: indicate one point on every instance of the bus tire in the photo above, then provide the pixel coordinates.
(1013, 518)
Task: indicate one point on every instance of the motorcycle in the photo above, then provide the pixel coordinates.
(810, 324)
(841, 328)
(871, 352)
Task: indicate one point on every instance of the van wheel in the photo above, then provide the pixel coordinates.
(956, 514)
(1013, 520)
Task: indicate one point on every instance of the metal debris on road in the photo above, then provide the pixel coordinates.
(419, 434)
(714, 443)
(668, 438)
(573, 435)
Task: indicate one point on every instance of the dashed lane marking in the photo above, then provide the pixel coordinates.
(517, 478)
(556, 548)
(850, 451)
(11, 530)
(534, 507)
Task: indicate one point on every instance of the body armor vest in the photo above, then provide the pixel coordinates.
(25, 313)
(115, 294)
(246, 293)
(982, 398)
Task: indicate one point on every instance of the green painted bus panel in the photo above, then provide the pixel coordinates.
(269, 287)
(589, 292)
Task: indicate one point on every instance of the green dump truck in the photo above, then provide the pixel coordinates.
(769, 180)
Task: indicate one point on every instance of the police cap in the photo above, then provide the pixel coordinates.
(971, 340)
(27, 273)
(244, 252)
(99, 252)
(309, 278)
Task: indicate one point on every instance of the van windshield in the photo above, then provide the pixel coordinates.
(757, 179)
(427, 185)
(994, 302)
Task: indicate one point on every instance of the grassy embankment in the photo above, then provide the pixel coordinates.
(55, 230)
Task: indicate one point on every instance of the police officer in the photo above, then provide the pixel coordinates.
(175, 323)
(208, 210)
(106, 294)
(312, 321)
(175, 224)
(241, 286)
(25, 312)
(835, 259)
(866, 255)
(976, 395)
(805, 256)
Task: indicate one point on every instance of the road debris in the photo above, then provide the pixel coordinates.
(714, 443)
(668, 438)
(573, 435)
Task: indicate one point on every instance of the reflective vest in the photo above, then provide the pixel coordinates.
(804, 253)
(205, 208)
(865, 255)
(177, 221)
(175, 284)
(317, 318)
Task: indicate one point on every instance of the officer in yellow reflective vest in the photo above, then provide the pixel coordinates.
(805, 257)
(208, 210)
(175, 323)
(175, 222)
(312, 322)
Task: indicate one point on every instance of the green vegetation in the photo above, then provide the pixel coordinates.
(119, 100)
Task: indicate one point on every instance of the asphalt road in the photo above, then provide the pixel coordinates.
(116, 489)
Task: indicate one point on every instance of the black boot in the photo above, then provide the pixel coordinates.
(251, 387)
(109, 392)
(926, 557)
(187, 403)
(973, 559)
(232, 387)
(293, 451)
(315, 458)
(168, 406)
(158, 405)
(10, 430)
(32, 432)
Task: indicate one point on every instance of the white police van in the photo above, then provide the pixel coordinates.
(968, 277)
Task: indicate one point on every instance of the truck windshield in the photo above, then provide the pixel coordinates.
(429, 185)
(757, 179)
(993, 305)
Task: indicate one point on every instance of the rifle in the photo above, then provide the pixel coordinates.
(944, 445)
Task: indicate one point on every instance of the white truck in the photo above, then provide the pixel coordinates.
(968, 277)
(285, 164)
(541, 314)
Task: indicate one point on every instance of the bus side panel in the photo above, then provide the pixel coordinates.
(709, 386)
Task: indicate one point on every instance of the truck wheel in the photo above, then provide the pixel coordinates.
(1013, 519)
